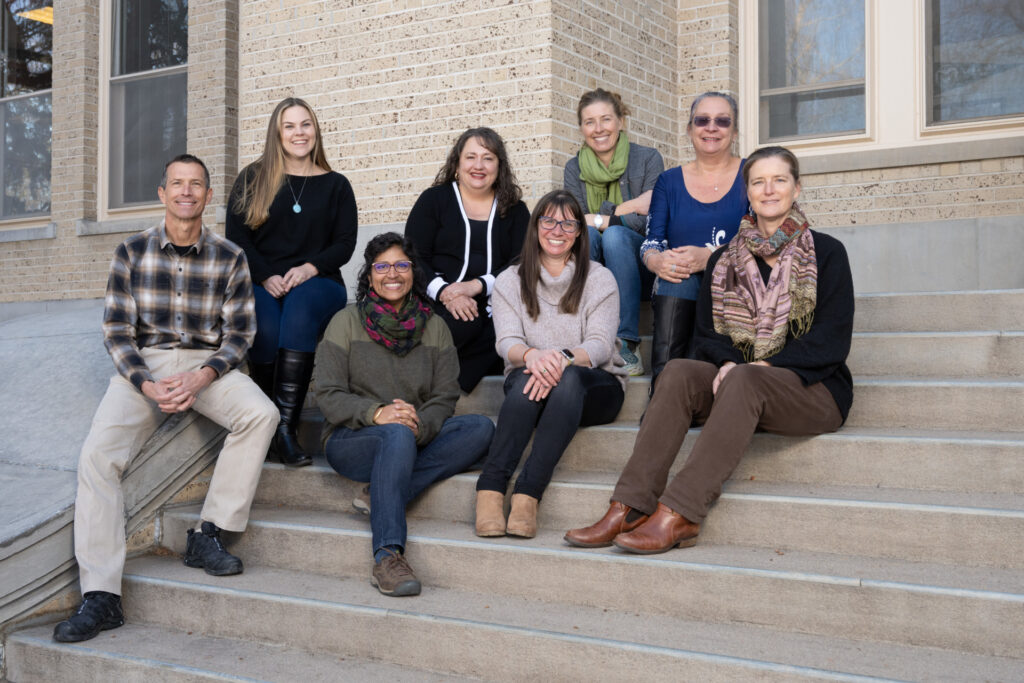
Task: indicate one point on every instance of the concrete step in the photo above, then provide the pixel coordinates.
(147, 652)
(879, 402)
(982, 530)
(937, 354)
(836, 596)
(940, 311)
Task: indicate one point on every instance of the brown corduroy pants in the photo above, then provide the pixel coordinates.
(751, 397)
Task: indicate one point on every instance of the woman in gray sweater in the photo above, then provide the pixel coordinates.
(555, 318)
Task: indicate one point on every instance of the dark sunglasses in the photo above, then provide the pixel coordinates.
(720, 121)
(382, 268)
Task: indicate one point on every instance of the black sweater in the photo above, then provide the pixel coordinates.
(440, 234)
(817, 356)
(324, 233)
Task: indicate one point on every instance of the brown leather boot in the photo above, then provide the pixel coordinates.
(666, 529)
(490, 513)
(600, 535)
(522, 518)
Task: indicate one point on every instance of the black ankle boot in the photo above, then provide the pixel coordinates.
(673, 331)
(204, 549)
(291, 381)
(263, 375)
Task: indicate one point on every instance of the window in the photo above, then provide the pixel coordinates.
(26, 38)
(975, 59)
(147, 96)
(811, 68)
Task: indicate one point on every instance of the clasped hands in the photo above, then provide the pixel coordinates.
(678, 263)
(545, 368)
(278, 285)
(724, 370)
(398, 412)
(177, 393)
(458, 299)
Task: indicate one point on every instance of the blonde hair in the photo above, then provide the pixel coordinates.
(601, 95)
(261, 185)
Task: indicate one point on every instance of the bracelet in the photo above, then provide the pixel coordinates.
(376, 414)
(528, 349)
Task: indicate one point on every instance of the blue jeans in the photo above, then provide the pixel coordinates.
(296, 320)
(398, 470)
(689, 288)
(618, 248)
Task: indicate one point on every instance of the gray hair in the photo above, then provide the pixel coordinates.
(714, 93)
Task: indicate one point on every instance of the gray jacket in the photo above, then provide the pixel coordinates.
(642, 170)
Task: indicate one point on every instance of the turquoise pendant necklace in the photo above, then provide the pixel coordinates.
(296, 207)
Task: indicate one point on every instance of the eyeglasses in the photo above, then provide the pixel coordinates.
(569, 227)
(382, 268)
(720, 121)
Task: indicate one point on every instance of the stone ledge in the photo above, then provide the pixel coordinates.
(36, 232)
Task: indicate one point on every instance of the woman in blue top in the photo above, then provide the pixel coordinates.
(695, 208)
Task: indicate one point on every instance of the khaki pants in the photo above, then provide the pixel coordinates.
(124, 421)
(751, 397)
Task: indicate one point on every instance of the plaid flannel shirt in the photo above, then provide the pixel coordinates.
(158, 299)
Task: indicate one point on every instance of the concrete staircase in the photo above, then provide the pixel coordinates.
(891, 550)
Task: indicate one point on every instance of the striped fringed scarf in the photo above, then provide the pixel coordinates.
(757, 316)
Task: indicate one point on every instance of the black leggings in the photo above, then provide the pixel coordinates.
(584, 396)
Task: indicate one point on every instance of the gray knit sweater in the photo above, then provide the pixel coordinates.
(593, 328)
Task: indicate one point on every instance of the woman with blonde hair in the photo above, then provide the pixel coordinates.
(296, 220)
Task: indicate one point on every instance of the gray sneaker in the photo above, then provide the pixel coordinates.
(393, 576)
(362, 501)
(634, 365)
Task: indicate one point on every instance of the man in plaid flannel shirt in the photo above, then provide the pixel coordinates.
(178, 319)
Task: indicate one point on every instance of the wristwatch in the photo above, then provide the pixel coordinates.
(598, 221)
(568, 355)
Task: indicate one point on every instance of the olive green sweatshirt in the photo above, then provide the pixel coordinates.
(354, 376)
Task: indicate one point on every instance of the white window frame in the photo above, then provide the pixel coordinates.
(103, 190)
(895, 100)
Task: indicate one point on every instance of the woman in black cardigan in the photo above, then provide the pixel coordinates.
(467, 228)
(296, 220)
(774, 325)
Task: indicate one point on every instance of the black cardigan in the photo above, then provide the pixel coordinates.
(820, 354)
(440, 233)
(323, 233)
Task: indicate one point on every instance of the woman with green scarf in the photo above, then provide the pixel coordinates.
(386, 381)
(612, 179)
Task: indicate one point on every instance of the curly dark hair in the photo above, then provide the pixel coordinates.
(377, 246)
(506, 188)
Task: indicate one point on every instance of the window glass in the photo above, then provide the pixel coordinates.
(976, 59)
(811, 62)
(148, 96)
(26, 40)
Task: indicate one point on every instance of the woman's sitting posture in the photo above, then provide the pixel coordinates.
(774, 323)
(296, 220)
(386, 381)
(467, 228)
(555, 315)
(613, 179)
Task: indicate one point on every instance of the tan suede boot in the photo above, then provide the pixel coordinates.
(522, 519)
(490, 513)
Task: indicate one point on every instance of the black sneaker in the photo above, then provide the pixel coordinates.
(394, 576)
(205, 550)
(99, 611)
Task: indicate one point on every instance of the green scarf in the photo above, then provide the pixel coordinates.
(399, 331)
(603, 181)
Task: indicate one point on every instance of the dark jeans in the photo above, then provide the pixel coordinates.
(398, 470)
(584, 396)
(750, 397)
(296, 320)
(474, 342)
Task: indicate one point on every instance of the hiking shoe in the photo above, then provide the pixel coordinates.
(393, 576)
(634, 365)
(99, 611)
(362, 502)
(205, 550)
